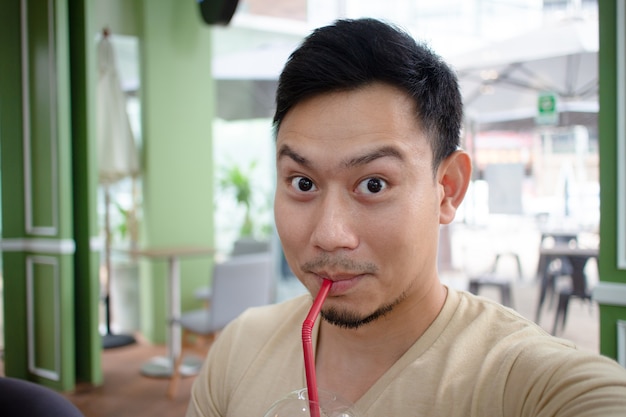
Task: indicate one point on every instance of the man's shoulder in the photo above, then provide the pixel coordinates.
(496, 328)
(271, 320)
(489, 313)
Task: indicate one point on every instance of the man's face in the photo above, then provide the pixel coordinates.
(356, 200)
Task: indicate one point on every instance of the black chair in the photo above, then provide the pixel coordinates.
(556, 267)
(578, 289)
(23, 398)
(550, 268)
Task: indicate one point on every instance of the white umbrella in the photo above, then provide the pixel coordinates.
(117, 155)
(117, 152)
(501, 82)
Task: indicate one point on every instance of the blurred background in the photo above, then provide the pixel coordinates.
(199, 98)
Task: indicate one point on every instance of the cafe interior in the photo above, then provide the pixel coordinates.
(123, 259)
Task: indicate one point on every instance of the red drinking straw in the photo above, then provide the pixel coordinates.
(307, 345)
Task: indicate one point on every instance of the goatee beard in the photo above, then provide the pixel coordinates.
(350, 320)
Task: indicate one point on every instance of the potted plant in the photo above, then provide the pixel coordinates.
(239, 182)
(235, 179)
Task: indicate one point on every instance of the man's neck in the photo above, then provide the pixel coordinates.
(350, 361)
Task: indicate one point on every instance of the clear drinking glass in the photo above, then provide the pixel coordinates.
(296, 404)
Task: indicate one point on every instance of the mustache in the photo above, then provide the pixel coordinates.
(345, 265)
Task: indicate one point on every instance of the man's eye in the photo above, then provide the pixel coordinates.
(303, 184)
(372, 185)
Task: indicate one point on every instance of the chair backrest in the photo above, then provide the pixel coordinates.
(239, 283)
(23, 398)
(249, 246)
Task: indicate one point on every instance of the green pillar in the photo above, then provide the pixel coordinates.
(88, 342)
(610, 292)
(177, 108)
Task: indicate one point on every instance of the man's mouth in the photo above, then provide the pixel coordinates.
(342, 283)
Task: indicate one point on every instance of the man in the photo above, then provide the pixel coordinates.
(368, 167)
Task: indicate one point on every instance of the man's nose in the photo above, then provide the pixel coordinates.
(336, 222)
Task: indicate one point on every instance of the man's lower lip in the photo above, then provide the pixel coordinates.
(342, 286)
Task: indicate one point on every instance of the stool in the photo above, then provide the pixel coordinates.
(489, 280)
(520, 274)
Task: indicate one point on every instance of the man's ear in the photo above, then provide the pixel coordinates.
(453, 176)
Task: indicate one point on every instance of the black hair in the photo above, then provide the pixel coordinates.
(352, 53)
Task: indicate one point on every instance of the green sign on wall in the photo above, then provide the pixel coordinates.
(547, 113)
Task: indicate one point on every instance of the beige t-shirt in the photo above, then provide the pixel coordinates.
(476, 359)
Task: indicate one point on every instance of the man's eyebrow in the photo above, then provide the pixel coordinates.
(385, 151)
(286, 151)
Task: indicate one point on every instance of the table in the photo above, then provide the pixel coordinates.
(577, 258)
(162, 367)
(560, 238)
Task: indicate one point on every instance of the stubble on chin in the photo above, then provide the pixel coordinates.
(351, 320)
